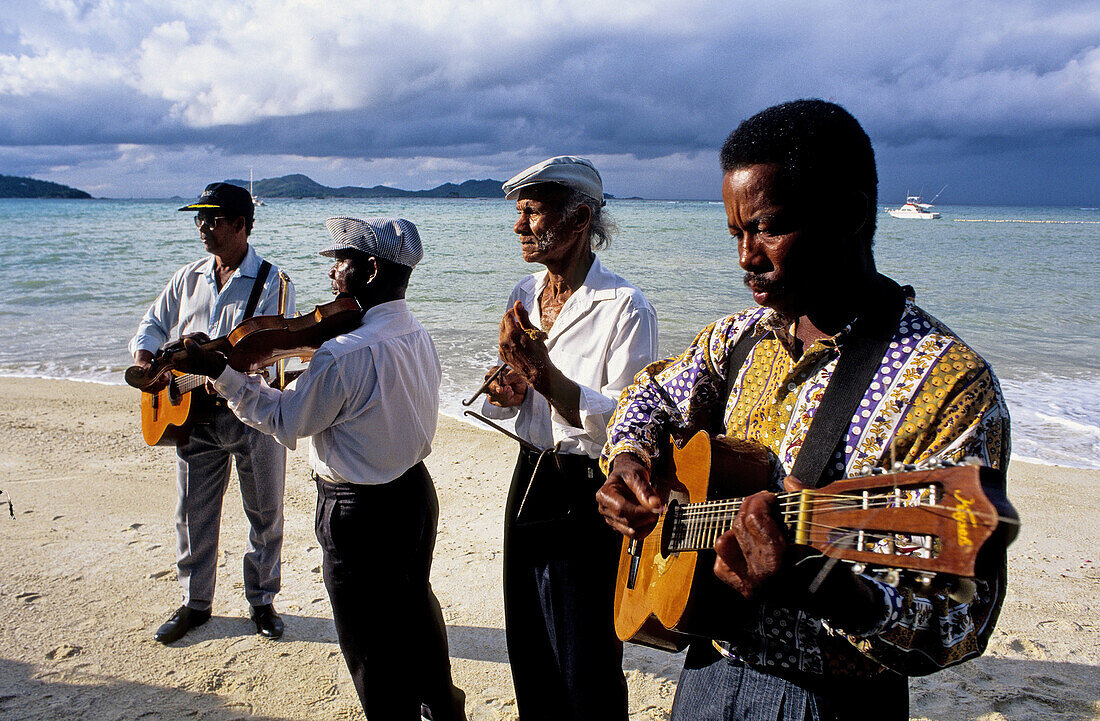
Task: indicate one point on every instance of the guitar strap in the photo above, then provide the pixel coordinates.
(257, 288)
(860, 358)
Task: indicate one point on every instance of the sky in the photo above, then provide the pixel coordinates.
(997, 101)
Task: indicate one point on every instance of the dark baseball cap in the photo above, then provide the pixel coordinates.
(233, 199)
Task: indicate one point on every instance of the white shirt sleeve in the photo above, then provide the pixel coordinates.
(634, 346)
(311, 405)
(157, 323)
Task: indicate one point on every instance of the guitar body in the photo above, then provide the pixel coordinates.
(674, 595)
(164, 414)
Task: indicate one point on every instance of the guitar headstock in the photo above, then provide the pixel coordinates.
(933, 520)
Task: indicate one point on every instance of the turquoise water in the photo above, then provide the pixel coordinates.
(75, 277)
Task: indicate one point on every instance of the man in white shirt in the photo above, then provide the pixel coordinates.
(368, 403)
(212, 296)
(573, 337)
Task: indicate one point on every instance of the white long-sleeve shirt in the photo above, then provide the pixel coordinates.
(368, 402)
(192, 303)
(604, 334)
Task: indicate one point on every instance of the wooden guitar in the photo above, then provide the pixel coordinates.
(930, 521)
(165, 413)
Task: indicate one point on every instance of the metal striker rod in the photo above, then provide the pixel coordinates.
(485, 386)
(526, 444)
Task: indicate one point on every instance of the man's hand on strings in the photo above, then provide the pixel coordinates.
(752, 551)
(508, 390)
(627, 500)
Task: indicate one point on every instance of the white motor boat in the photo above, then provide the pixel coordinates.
(915, 209)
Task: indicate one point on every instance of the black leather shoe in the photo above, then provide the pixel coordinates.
(183, 620)
(268, 623)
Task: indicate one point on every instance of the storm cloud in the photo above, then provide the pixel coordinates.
(1001, 100)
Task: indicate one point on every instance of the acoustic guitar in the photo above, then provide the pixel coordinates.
(165, 414)
(929, 521)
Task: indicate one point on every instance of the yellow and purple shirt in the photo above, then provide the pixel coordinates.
(932, 397)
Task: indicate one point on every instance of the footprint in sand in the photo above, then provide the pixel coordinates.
(63, 651)
(1028, 647)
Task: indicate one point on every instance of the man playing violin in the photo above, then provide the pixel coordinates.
(212, 296)
(368, 403)
(804, 641)
(573, 337)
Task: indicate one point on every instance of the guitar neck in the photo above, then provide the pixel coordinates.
(187, 382)
(696, 526)
(929, 520)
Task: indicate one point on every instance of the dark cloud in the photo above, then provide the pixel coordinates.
(993, 81)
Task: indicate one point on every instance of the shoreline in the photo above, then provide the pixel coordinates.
(456, 415)
(88, 569)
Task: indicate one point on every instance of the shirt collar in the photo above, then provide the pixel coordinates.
(248, 268)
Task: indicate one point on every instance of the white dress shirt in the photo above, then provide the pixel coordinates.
(604, 334)
(369, 400)
(192, 303)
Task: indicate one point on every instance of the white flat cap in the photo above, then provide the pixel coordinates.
(392, 239)
(576, 173)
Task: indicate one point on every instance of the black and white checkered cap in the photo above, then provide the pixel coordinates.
(393, 239)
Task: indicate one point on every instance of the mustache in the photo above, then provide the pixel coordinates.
(763, 283)
(544, 241)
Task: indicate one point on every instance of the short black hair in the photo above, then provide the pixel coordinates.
(819, 147)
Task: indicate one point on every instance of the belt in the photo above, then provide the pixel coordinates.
(315, 476)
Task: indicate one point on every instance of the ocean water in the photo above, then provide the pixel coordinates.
(1019, 284)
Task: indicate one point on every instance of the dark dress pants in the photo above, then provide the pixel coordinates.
(560, 562)
(377, 543)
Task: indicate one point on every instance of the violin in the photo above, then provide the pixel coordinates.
(261, 341)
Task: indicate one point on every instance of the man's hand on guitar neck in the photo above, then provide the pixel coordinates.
(754, 558)
(627, 500)
(198, 360)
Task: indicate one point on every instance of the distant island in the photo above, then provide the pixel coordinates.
(302, 186)
(12, 186)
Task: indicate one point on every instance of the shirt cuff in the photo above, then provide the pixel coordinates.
(230, 383)
(624, 447)
(892, 600)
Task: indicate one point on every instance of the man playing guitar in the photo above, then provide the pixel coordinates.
(212, 296)
(805, 642)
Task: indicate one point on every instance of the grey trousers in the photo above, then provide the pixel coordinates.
(202, 476)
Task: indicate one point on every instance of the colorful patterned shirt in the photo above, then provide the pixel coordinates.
(931, 397)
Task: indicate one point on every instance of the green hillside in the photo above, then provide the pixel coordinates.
(12, 186)
(301, 186)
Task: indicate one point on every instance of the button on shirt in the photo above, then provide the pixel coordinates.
(192, 303)
(368, 402)
(605, 333)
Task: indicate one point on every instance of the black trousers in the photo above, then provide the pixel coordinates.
(560, 562)
(377, 543)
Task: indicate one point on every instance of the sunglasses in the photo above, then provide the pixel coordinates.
(211, 221)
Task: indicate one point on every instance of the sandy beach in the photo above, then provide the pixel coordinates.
(87, 574)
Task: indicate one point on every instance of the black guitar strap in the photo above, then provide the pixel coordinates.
(257, 288)
(859, 360)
